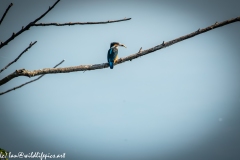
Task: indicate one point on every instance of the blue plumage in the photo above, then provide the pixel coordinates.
(111, 65)
(110, 51)
(112, 55)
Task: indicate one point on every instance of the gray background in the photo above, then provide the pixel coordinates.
(179, 103)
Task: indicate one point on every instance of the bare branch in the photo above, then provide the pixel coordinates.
(28, 81)
(33, 23)
(14, 35)
(10, 5)
(79, 23)
(30, 45)
(23, 72)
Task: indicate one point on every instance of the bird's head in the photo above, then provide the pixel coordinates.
(116, 44)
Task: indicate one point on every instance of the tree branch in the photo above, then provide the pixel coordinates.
(23, 72)
(14, 35)
(33, 23)
(79, 23)
(10, 5)
(30, 45)
(29, 81)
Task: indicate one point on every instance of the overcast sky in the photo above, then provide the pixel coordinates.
(179, 103)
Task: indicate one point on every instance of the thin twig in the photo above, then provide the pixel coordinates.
(30, 45)
(23, 72)
(28, 81)
(140, 50)
(79, 23)
(10, 5)
(14, 35)
(58, 64)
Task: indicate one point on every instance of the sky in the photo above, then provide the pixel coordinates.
(178, 103)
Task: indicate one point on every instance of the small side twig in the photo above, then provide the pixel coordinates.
(140, 50)
(10, 5)
(28, 81)
(58, 64)
(79, 23)
(27, 27)
(138, 54)
(30, 45)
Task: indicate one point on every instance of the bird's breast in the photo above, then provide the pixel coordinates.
(115, 49)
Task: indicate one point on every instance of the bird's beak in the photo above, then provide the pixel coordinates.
(122, 45)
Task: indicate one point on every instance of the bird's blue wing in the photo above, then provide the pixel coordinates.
(109, 55)
(112, 55)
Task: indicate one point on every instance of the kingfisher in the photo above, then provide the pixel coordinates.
(113, 53)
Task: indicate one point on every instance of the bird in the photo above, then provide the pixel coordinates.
(112, 55)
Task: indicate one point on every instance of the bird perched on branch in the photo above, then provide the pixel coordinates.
(113, 53)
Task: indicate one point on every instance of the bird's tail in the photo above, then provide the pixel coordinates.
(111, 65)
